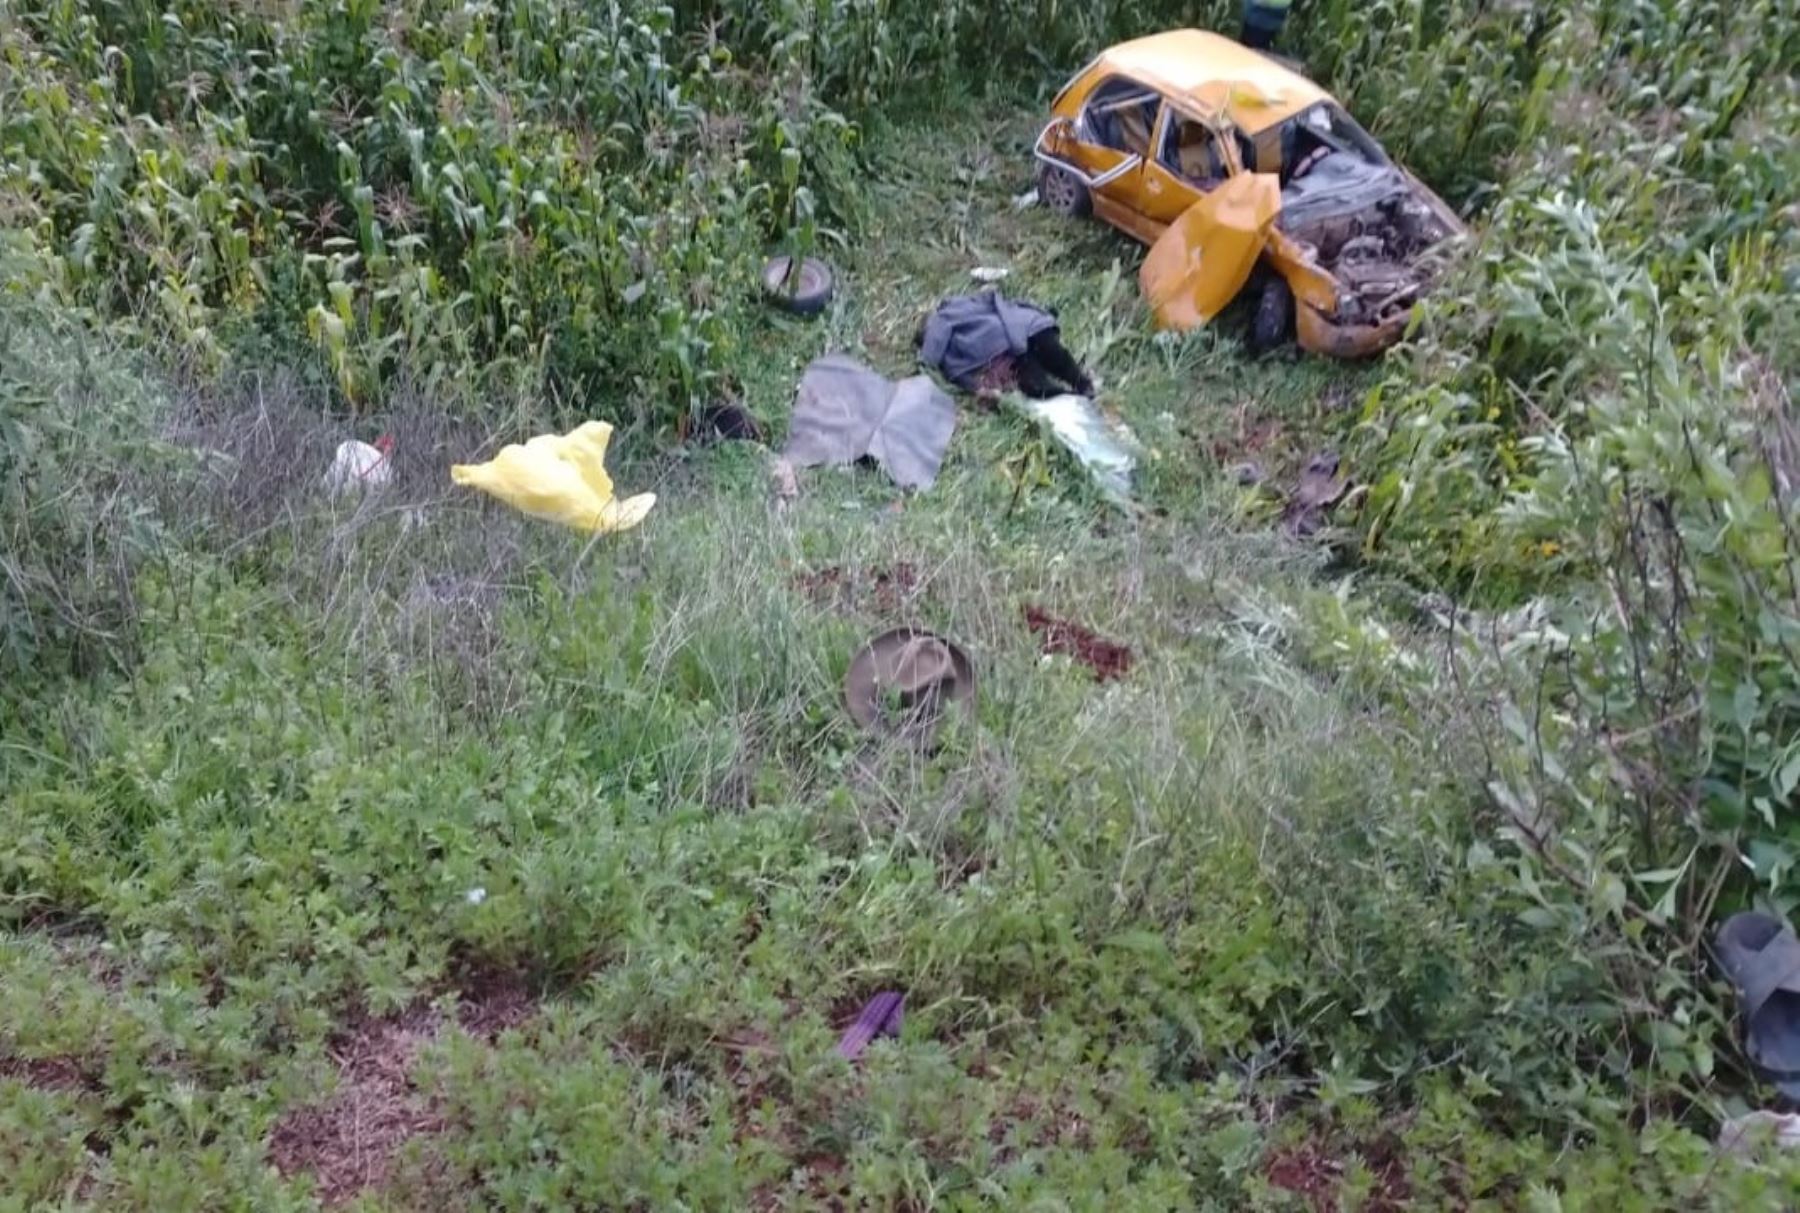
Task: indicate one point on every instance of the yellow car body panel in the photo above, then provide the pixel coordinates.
(1311, 283)
(1318, 334)
(1203, 259)
(1207, 73)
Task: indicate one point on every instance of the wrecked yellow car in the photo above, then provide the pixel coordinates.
(1218, 157)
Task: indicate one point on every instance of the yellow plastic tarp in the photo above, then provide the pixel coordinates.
(1203, 260)
(559, 478)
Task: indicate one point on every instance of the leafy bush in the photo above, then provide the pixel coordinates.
(71, 524)
(1594, 435)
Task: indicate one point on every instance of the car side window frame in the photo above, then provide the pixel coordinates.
(1168, 156)
(1087, 130)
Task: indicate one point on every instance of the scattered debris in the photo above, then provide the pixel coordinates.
(475, 896)
(901, 682)
(1250, 436)
(786, 480)
(989, 273)
(803, 293)
(360, 466)
(1761, 956)
(1321, 487)
(881, 1016)
(846, 412)
(1248, 474)
(1338, 397)
(1025, 201)
(1744, 1134)
(728, 422)
(559, 478)
(1058, 636)
(1078, 426)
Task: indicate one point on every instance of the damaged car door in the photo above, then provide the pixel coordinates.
(1093, 161)
(1196, 267)
(1192, 161)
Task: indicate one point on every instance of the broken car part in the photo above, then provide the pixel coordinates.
(882, 1015)
(844, 412)
(1743, 1135)
(803, 290)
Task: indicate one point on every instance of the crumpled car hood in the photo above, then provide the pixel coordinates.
(1340, 184)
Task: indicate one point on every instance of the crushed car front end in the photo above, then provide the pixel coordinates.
(1359, 241)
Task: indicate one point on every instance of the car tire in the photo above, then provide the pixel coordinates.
(808, 293)
(1063, 192)
(1273, 323)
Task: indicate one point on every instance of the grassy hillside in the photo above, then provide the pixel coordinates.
(404, 853)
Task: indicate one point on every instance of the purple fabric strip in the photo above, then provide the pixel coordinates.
(881, 1016)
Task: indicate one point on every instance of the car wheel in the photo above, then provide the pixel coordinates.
(1062, 191)
(1274, 320)
(805, 292)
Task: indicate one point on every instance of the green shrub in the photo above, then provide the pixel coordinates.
(71, 524)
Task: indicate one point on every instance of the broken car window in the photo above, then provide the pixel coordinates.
(1191, 153)
(1320, 131)
(1120, 115)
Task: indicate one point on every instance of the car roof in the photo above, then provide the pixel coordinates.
(1207, 72)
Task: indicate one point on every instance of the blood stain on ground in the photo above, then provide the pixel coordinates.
(1058, 636)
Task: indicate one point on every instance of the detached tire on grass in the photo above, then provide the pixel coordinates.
(804, 294)
(1063, 193)
(1273, 325)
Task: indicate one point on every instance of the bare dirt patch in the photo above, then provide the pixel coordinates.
(491, 1000)
(1311, 1172)
(348, 1142)
(62, 1073)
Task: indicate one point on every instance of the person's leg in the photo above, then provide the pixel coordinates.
(1256, 37)
(1034, 380)
(1048, 351)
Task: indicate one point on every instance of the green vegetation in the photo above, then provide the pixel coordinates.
(406, 852)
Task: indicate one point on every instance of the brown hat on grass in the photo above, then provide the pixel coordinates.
(904, 678)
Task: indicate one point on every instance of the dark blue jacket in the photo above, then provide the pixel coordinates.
(1266, 15)
(970, 331)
